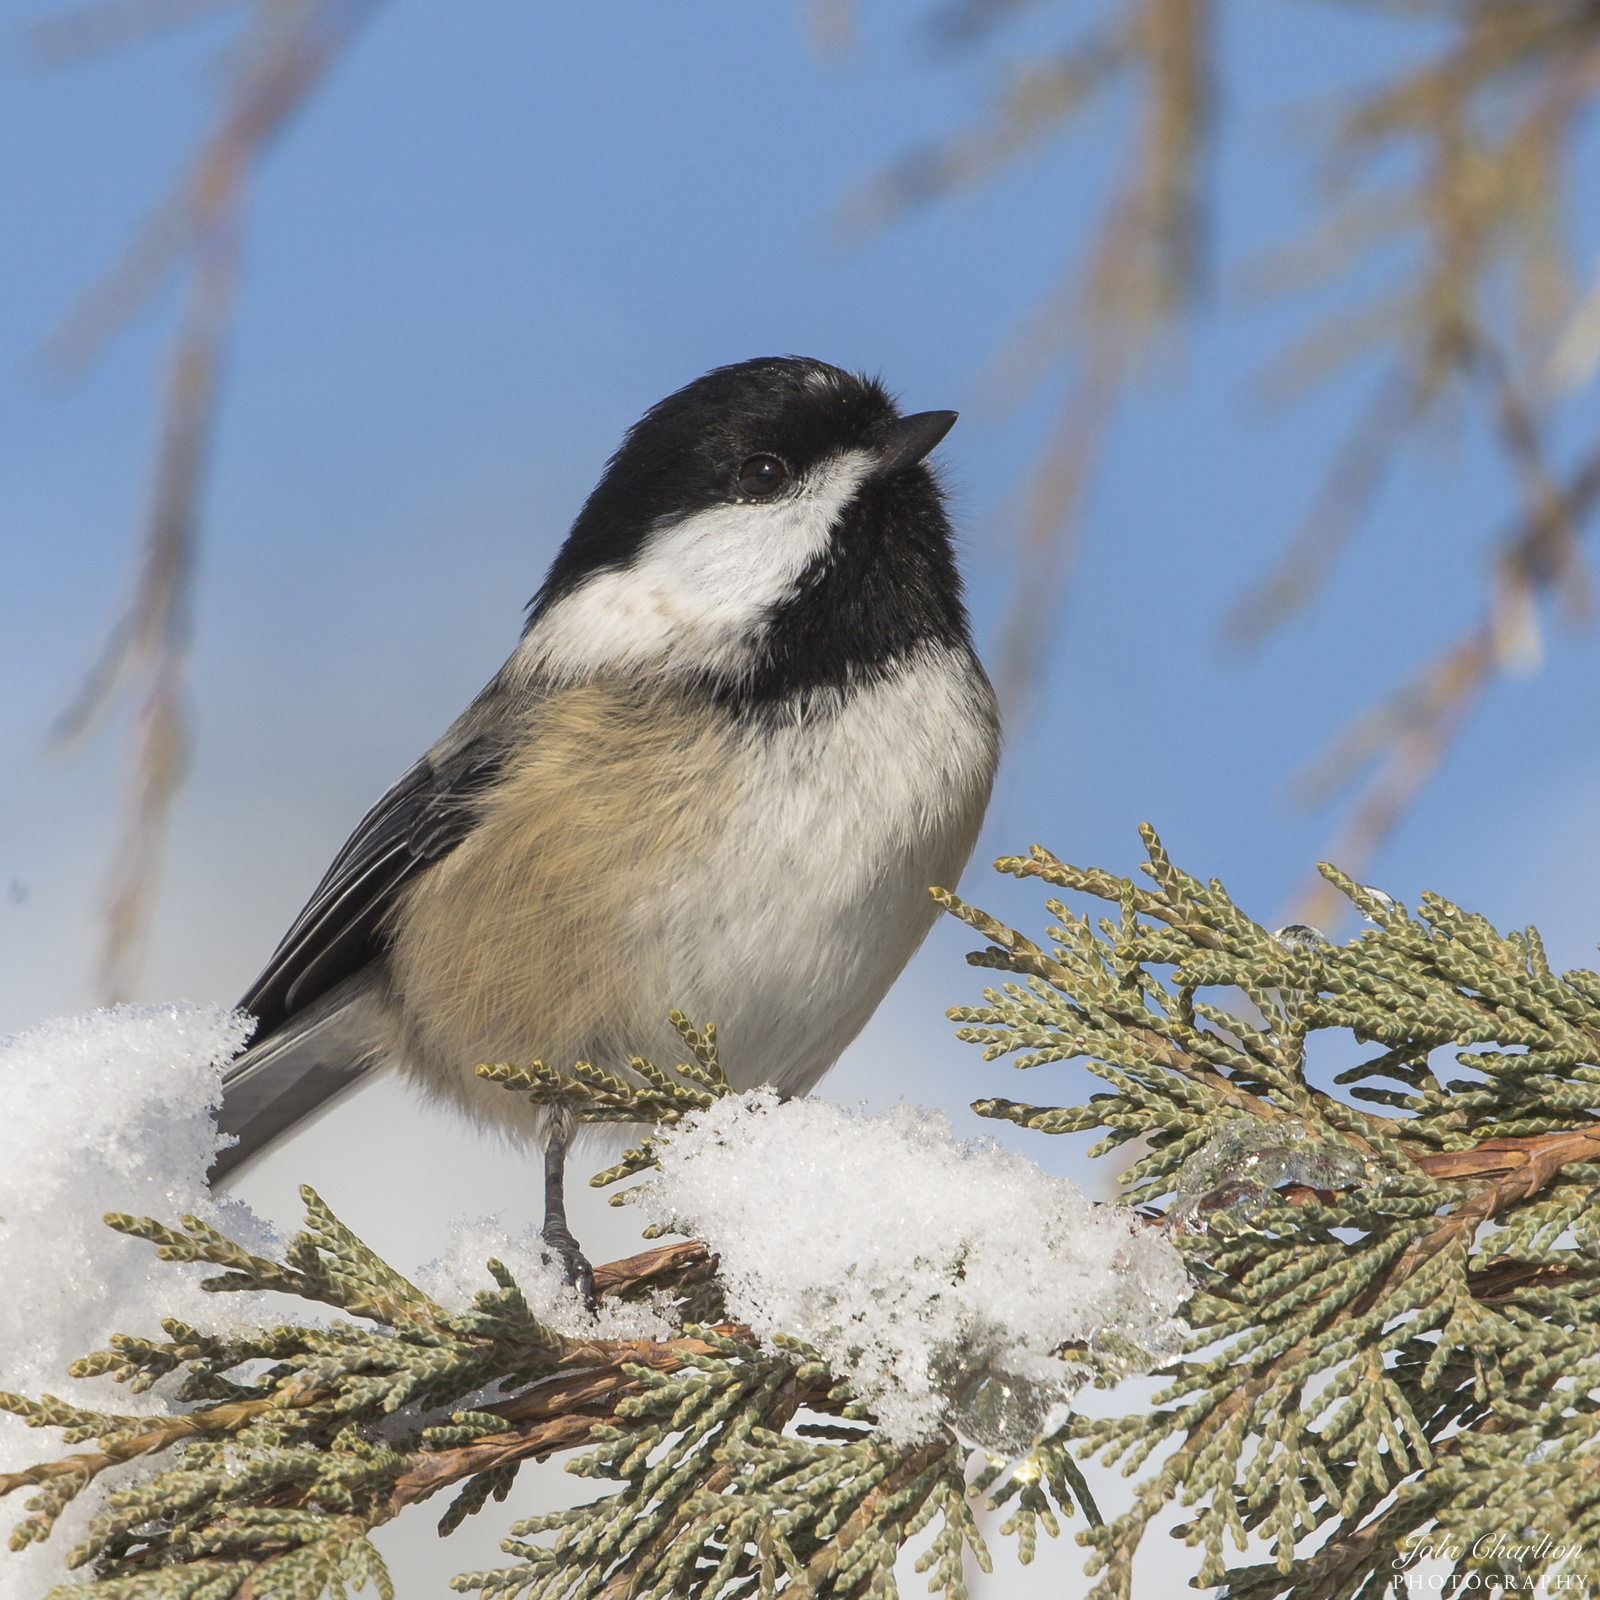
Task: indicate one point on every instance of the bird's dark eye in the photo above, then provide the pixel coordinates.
(761, 476)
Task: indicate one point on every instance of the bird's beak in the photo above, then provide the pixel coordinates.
(910, 439)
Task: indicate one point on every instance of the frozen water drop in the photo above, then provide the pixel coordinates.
(1001, 1410)
(1382, 901)
(1250, 1157)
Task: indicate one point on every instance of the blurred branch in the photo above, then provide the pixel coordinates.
(1410, 733)
(1415, 728)
(1140, 276)
(161, 240)
(1049, 540)
(1347, 494)
(831, 26)
(1490, 120)
(962, 22)
(287, 51)
(1440, 228)
(1035, 103)
(1137, 275)
(85, 31)
(1576, 357)
(155, 635)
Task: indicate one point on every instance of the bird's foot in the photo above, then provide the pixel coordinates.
(575, 1268)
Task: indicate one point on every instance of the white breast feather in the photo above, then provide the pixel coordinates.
(818, 895)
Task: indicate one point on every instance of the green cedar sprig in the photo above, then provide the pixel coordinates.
(326, 1432)
(653, 1096)
(1369, 1363)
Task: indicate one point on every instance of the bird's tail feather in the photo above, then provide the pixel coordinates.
(300, 1071)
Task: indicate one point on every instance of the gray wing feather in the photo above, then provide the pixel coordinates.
(340, 931)
(320, 1003)
(316, 1057)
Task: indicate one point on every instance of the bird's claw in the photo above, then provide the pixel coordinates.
(575, 1267)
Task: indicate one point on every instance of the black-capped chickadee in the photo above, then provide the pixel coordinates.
(743, 732)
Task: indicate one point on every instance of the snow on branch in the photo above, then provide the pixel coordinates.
(783, 1406)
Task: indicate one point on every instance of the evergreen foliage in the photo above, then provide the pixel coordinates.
(1405, 1338)
(1393, 1324)
(591, 1094)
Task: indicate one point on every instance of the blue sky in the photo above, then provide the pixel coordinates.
(502, 231)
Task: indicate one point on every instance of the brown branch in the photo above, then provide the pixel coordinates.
(671, 1263)
(1530, 1161)
(625, 1580)
(821, 1567)
(1536, 1158)
(1524, 1166)
(1418, 723)
(163, 1432)
(1302, 569)
(562, 1416)
(1527, 1166)
(150, 642)
(1525, 1177)
(672, 1266)
(1502, 1279)
(558, 1415)
(552, 1416)
(1050, 541)
(1416, 727)
(1347, 1547)
(1520, 1167)
(108, 25)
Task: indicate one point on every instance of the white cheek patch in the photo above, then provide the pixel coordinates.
(698, 591)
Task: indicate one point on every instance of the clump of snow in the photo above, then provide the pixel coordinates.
(105, 1112)
(940, 1277)
(456, 1276)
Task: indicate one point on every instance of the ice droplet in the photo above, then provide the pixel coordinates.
(1301, 936)
(1381, 900)
(1249, 1158)
(1002, 1410)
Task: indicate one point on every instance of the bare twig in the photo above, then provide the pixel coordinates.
(1443, 214)
(108, 25)
(293, 45)
(1136, 277)
(1347, 494)
(1412, 730)
(555, 1414)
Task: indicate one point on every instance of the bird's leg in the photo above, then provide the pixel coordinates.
(556, 1233)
